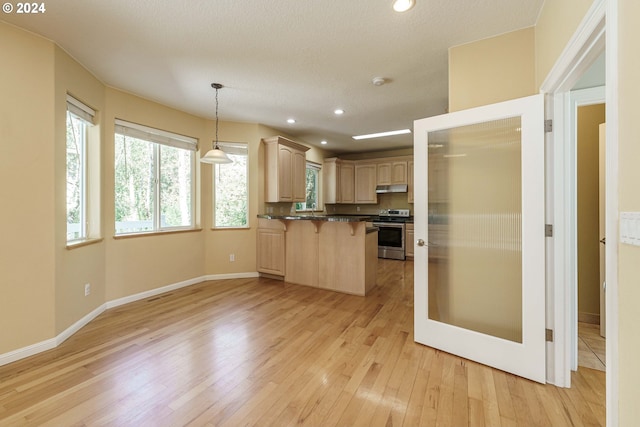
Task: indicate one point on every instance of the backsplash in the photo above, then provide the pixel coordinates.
(385, 201)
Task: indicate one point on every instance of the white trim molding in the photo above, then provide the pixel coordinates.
(582, 50)
(52, 343)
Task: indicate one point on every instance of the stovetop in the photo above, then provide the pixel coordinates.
(393, 215)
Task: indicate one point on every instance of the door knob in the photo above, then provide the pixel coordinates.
(420, 242)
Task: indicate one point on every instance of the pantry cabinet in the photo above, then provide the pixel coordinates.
(285, 170)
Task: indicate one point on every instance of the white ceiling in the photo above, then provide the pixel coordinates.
(281, 59)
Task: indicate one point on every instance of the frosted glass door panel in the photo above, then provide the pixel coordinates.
(475, 227)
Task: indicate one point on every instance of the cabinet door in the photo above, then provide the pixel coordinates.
(384, 174)
(270, 255)
(409, 241)
(365, 183)
(347, 183)
(399, 173)
(410, 181)
(299, 176)
(285, 164)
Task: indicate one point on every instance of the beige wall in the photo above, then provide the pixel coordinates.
(589, 119)
(629, 177)
(74, 267)
(142, 263)
(556, 25)
(492, 70)
(27, 220)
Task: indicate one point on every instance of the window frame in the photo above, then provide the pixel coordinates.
(157, 139)
(318, 169)
(237, 149)
(85, 116)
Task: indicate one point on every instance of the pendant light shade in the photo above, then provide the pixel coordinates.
(216, 155)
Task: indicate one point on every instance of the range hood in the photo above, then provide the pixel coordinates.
(395, 188)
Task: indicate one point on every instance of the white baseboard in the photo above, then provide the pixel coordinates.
(232, 276)
(64, 335)
(30, 350)
(153, 292)
(51, 343)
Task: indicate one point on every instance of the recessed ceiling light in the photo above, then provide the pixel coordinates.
(323, 142)
(381, 134)
(291, 121)
(403, 5)
(338, 111)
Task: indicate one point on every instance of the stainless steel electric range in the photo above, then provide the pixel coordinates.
(391, 232)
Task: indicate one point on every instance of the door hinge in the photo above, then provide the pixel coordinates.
(548, 125)
(548, 335)
(548, 230)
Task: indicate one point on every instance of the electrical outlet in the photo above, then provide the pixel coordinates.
(281, 209)
(357, 208)
(87, 289)
(232, 257)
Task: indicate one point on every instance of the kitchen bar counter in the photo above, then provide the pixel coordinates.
(318, 217)
(332, 252)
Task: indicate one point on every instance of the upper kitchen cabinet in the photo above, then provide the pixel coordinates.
(365, 183)
(390, 173)
(339, 181)
(285, 169)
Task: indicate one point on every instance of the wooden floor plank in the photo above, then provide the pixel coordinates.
(264, 352)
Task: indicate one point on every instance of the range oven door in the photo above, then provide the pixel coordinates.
(390, 240)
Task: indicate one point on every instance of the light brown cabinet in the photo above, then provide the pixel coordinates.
(270, 247)
(409, 241)
(410, 181)
(365, 183)
(339, 181)
(390, 173)
(285, 170)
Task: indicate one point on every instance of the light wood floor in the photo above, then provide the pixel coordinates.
(262, 352)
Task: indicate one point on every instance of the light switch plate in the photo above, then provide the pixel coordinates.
(630, 228)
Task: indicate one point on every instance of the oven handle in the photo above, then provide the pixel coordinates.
(388, 225)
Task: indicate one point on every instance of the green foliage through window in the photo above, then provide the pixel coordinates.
(312, 188)
(231, 193)
(153, 185)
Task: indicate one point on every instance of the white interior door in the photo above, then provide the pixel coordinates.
(479, 229)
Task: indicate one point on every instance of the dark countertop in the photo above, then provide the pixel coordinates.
(319, 217)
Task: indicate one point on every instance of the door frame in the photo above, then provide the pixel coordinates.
(587, 43)
(573, 100)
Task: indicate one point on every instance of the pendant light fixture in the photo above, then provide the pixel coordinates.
(216, 155)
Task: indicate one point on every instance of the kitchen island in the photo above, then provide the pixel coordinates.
(336, 252)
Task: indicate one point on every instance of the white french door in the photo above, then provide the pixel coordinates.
(479, 229)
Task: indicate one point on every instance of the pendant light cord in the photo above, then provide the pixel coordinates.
(216, 142)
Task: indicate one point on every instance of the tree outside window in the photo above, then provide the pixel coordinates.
(154, 185)
(312, 188)
(230, 188)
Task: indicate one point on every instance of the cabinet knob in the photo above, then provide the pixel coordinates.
(420, 242)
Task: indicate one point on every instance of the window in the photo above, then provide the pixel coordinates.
(154, 186)
(79, 120)
(312, 188)
(230, 188)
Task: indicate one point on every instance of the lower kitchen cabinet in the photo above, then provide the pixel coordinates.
(270, 247)
(409, 241)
